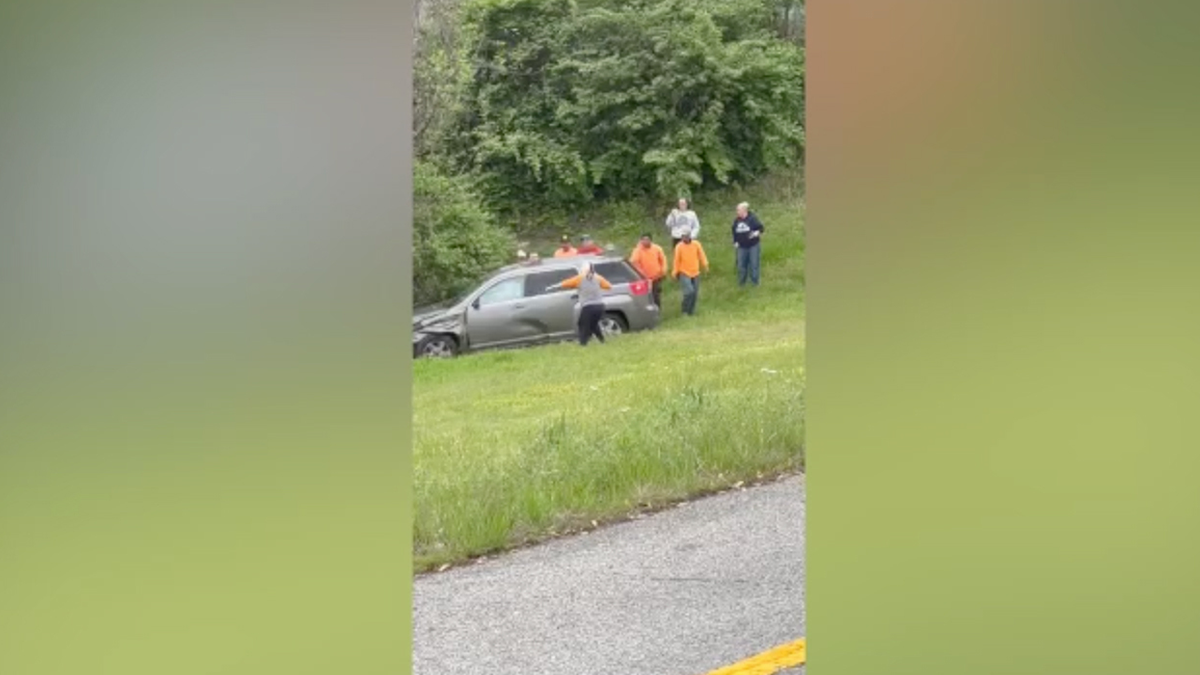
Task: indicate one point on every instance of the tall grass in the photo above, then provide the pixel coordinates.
(511, 447)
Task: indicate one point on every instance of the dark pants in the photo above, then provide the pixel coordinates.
(675, 242)
(691, 291)
(589, 323)
(748, 262)
(656, 292)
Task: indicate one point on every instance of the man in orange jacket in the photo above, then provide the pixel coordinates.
(648, 258)
(565, 249)
(689, 261)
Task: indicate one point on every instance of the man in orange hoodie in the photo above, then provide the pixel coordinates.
(648, 258)
(565, 249)
(689, 261)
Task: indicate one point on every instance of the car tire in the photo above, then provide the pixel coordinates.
(613, 323)
(436, 347)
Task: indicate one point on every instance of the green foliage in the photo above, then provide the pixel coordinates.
(507, 131)
(742, 19)
(510, 446)
(455, 239)
(545, 110)
(568, 103)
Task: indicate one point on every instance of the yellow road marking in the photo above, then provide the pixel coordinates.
(770, 661)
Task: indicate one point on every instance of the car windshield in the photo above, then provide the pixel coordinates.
(462, 297)
(466, 293)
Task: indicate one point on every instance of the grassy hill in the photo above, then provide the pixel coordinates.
(513, 447)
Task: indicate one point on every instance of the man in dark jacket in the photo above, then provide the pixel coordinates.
(747, 233)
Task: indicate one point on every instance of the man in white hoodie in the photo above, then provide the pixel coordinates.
(683, 219)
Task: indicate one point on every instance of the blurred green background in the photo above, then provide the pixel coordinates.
(1002, 284)
(204, 305)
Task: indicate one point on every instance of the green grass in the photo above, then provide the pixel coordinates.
(513, 447)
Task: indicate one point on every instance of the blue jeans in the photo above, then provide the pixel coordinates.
(691, 289)
(748, 262)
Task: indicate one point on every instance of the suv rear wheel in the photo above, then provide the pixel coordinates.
(613, 324)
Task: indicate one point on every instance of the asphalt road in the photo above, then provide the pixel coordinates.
(682, 592)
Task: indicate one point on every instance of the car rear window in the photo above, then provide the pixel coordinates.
(617, 272)
(536, 283)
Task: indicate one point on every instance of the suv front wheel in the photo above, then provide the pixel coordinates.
(437, 347)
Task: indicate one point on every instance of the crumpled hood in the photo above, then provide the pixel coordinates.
(427, 316)
(424, 314)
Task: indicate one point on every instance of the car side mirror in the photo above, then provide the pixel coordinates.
(475, 304)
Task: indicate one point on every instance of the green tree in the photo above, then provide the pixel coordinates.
(455, 238)
(508, 133)
(567, 103)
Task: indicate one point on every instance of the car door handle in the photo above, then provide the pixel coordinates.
(574, 296)
(519, 305)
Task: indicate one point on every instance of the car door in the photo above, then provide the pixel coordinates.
(554, 310)
(493, 318)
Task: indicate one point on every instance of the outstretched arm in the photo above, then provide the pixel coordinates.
(573, 282)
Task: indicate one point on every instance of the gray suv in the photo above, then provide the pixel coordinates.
(512, 308)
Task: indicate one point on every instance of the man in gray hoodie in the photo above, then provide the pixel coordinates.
(591, 301)
(683, 219)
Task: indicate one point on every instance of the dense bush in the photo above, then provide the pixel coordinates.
(455, 238)
(545, 107)
(567, 102)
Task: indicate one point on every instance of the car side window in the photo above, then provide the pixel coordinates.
(616, 273)
(504, 291)
(536, 283)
